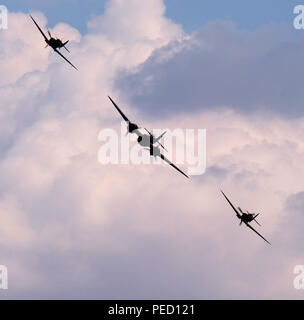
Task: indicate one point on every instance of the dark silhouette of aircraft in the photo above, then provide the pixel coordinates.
(132, 127)
(147, 140)
(156, 140)
(54, 43)
(246, 217)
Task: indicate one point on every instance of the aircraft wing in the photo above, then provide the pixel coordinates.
(237, 213)
(173, 165)
(121, 113)
(249, 226)
(65, 58)
(44, 36)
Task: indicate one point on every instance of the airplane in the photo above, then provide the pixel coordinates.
(245, 217)
(54, 43)
(147, 140)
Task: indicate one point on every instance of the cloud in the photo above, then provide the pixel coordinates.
(134, 21)
(72, 228)
(220, 66)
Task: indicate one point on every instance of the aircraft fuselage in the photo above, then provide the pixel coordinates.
(247, 217)
(55, 43)
(147, 141)
(144, 140)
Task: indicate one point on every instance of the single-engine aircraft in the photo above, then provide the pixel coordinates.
(54, 43)
(245, 217)
(147, 140)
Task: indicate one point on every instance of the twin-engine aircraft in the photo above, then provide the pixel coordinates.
(245, 217)
(147, 140)
(54, 43)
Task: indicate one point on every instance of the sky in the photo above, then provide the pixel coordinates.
(73, 228)
(192, 15)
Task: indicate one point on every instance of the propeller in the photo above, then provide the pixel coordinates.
(49, 32)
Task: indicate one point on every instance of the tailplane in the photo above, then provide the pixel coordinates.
(255, 218)
(160, 137)
(65, 46)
